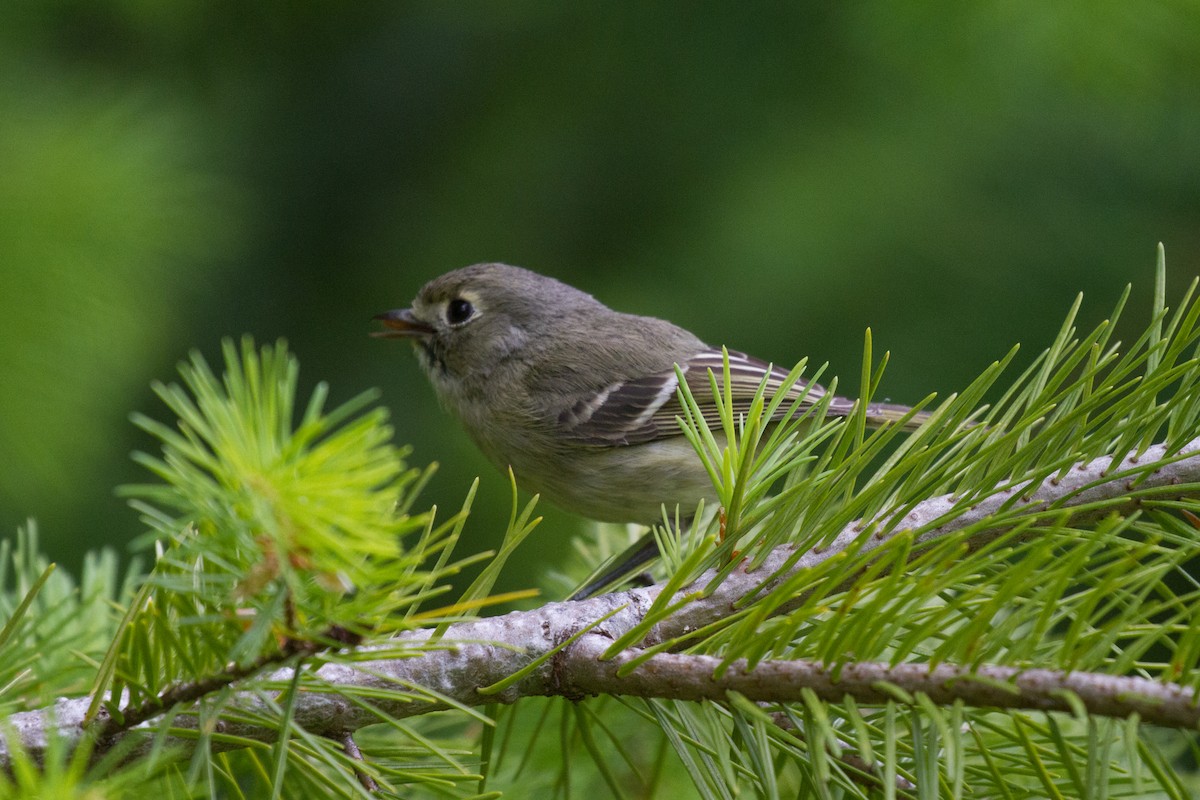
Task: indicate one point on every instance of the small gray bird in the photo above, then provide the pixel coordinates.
(580, 400)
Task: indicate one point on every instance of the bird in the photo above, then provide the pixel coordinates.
(582, 401)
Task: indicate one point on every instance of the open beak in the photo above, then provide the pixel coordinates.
(401, 324)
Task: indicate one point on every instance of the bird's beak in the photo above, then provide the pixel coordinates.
(401, 323)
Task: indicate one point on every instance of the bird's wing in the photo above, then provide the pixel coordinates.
(644, 409)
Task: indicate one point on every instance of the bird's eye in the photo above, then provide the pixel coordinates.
(459, 311)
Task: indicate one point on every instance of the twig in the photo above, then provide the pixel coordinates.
(351, 748)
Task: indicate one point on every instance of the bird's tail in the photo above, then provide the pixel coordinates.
(620, 566)
(880, 414)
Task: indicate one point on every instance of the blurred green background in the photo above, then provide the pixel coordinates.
(776, 177)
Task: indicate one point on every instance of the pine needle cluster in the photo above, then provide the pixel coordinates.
(990, 606)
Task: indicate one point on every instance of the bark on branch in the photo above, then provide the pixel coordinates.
(475, 655)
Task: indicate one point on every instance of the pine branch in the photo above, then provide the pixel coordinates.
(695, 677)
(560, 649)
(183, 694)
(1086, 491)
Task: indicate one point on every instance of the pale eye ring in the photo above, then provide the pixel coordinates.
(459, 311)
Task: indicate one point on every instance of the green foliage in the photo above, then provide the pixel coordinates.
(948, 174)
(315, 512)
(283, 531)
(55, 630)
(1107, 588)
(68, 772)
(268, 529)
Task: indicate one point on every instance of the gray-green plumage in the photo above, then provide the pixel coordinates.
(580, 400)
